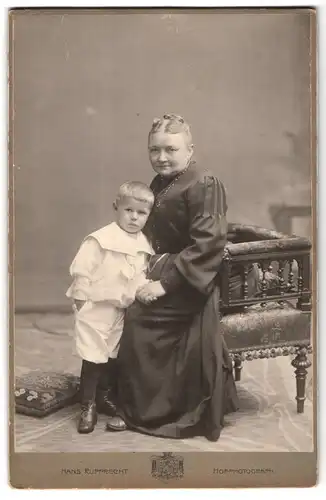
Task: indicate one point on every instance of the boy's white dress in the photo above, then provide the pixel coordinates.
(107, 271)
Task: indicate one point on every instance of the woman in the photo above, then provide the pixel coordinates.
(175, 375)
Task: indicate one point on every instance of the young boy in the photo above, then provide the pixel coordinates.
(108, 270)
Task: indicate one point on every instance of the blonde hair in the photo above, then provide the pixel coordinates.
(171, 124)
(137, 190)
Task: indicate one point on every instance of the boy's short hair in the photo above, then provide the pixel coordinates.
(137, 190)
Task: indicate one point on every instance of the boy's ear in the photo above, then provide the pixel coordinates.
(115, 206)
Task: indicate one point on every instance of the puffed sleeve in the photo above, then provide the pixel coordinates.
(88, 258)
(199, 262)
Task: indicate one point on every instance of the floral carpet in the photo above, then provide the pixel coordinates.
(266, 422)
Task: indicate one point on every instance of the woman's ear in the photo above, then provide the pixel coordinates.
(191, 149)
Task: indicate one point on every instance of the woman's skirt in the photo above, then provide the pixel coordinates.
(175, 374)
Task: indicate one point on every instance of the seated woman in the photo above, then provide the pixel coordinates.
(175, 375)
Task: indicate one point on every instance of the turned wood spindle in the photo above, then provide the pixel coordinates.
(229, 288)
(226, 289)
(263, 283)
(301, 363)
(245, 281)
(281, 279)
(300, 276)
(237, 368)
(290, 277)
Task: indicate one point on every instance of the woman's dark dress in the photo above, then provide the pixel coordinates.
(175, 377)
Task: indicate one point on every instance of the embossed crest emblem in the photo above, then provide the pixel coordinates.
(167, 466)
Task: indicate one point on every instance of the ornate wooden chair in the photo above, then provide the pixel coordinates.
(276, 320)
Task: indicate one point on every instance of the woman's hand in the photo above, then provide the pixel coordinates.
(144, 297)
(150, 292)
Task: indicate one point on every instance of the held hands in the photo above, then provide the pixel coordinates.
(150, 292)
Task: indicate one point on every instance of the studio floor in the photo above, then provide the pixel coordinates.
(266, 422)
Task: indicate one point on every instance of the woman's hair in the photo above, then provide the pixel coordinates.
(171, 124)
(137, 190)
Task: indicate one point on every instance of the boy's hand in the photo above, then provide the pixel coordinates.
(79, 304)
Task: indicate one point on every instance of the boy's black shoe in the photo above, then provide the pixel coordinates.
(89, 379)
(87, 419)
(106, 394)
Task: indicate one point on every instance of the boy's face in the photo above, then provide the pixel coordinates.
(131, 214)
(169, 153)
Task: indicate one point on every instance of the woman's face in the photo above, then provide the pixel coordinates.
(169, 154)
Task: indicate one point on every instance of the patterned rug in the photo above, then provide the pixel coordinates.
(267, 419)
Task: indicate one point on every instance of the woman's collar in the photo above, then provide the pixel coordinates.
(178, 174)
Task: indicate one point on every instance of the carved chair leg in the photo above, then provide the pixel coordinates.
(237, 368)
(301, 363)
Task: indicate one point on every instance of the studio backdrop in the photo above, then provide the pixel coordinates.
(86, 89)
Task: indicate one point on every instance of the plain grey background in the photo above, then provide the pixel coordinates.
(86, 88)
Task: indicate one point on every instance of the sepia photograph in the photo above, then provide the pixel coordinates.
(162, 169)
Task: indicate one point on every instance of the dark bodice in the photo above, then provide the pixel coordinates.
(188, 219)
(168, 224)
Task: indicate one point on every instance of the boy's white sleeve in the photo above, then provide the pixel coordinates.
(88, 258)
(141, 279)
